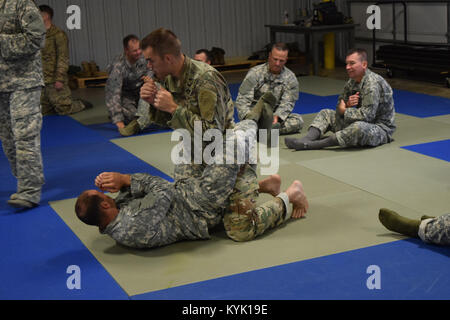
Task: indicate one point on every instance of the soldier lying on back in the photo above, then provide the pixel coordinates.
(150, 211)
(364, 118)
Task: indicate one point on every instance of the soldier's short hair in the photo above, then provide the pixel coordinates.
(361, 52)
(47, 9)
(162, 41)
(127, 40)
(206, 52)
(88, 209)
(280, 46)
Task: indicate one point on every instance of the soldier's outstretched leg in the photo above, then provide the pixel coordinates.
(361, 134)
(429, 229)
(26, 163)
(326, 120)
(436, 230)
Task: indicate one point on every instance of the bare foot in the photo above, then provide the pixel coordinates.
(297, 197)
(271, 185)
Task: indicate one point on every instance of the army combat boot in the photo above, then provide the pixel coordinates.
(130, 129)
(262, 112)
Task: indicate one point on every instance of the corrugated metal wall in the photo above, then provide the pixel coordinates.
(237, 26)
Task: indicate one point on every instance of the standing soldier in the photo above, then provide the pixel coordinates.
(22, 35)
(275, 80)
(56, 95)
(126, 76)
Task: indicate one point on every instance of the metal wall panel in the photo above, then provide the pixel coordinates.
(237, 26)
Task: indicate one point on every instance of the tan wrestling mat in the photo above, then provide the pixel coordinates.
(321, 86)
(346, 189)
(345, 219)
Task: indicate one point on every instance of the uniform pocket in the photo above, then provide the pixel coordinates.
(9, 23)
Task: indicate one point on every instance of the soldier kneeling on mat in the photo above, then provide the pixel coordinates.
(364, 116)
(150, 211)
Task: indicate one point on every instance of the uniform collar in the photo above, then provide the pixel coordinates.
(174, 84)
(273, 76)
(110, 227)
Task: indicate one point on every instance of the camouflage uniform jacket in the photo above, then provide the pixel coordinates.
(202, 94)
(22, 35)
(55, 56)
(376, 103)
(154, 212)
(124, 80)
(259, 80)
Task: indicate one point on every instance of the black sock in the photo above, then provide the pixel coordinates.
(293, 143)
(304, 144)
(313, 134)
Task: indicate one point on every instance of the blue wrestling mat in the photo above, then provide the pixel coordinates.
(37, 250)
(406, 102)
(436, 149)
(109, 130)
(406, 269)
(38, 247)
(420, 105)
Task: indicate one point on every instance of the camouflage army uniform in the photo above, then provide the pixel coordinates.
(123, 86)
(55, 63)
(22, 35)
(284, 87)
(370, 123)
(202, 94)
(436, 230)
(154, 212)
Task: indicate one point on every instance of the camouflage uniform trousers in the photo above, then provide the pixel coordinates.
(21, 122)
(143, 114)
(436, 230)
(292, 124)
(59, 101)
(243, 219)
(129, 108)
(356, 134)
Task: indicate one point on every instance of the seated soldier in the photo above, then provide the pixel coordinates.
(364, 116)
(434, 230)
(203, 55)
(126, 76)
(282, 84)
(150, 211)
